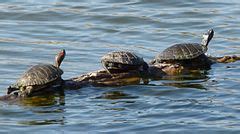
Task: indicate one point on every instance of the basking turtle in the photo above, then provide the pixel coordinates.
(123, 61)
(39, 77)
(186, 53)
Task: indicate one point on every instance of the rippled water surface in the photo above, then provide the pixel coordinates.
(33, 31)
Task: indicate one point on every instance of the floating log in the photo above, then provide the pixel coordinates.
(157, 71)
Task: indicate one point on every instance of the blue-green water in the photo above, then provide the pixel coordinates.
(33, 31)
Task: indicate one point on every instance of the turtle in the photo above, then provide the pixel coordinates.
(186, 53)
(39, 77)
(123, 61)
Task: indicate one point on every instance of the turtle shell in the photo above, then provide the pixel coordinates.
(39, 75)
(182, 52)
(122, 57)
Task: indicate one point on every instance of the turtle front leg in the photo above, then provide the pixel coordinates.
(25, 91)
(105, 66)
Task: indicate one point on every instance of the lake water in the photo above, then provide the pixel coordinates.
(34, 31)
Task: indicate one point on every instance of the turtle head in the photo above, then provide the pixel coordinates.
(59, 58)
(12, 89)
(207, 37)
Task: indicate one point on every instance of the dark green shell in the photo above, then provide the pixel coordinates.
(122, 57)
(39, 75)
(182, 52)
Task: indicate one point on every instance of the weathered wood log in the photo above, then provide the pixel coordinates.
(104, 78)
(225, 59)
(9, 97)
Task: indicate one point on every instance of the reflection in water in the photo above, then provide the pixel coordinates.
(38, 110)
(47, 109)
(42, 122)
(114, 95)
(196, 75)
(193, 80)
(43, 100)
(185, 85)
(118, 100)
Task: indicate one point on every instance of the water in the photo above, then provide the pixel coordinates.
(33, 31)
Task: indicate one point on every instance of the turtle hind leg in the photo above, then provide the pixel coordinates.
(105, 65)
(25, 91)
